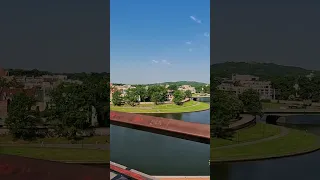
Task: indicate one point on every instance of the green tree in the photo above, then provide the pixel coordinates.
(173, 87)
(157, 93)
(285, 85)
(70, 111)
(188, 94)
(198, 88)
(142, 92)
(132, 96)
(206, 89)
(22, 121)
(116, 98)
(3, 82)
(251, 102)
(178, 97)
(224, 108)
(98, 89)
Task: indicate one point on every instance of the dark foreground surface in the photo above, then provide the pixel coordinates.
(16, 168)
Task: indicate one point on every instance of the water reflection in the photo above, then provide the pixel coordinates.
(161, 155)
(293, 168)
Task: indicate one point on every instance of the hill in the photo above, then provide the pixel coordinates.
(263, 70)
(180, 83)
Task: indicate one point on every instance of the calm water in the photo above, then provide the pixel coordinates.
(304, 167)
(161, 155)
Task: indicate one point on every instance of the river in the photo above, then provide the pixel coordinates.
(304, 167)
(161, 155)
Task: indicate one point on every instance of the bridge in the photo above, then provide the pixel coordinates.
(169, 127)
(272, 116)
(291, 112)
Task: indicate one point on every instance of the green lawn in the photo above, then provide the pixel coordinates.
(272, 105)
(259, 131)
(59, 154)
(190, 106)
(89, 140)
(295, 142)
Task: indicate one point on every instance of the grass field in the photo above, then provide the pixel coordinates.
(294, 142)
(259, 131)
(59, 154)
(190, 106)
(91, 140)
(272, 105)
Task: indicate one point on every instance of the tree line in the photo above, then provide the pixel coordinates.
(226, 107)
(155, 93)
(68, 112)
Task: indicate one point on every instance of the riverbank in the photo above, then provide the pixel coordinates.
(7, 139)
(91, 149)
(277, 142)
(190, 106)
(59, 154)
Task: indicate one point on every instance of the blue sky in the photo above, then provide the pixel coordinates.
(157, 41)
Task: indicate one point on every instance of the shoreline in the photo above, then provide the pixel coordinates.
(153, 112)
(252, 159)
(166, 112)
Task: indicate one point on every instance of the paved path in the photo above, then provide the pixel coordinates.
(284, 132)
(245, 119)
(67, 146)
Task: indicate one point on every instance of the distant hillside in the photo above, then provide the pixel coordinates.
(263, 70)
(37, 73)
(179, 83)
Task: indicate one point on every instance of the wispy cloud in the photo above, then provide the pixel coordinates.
(206, 34)
(165, 62)
(190, 49)
(195, 19)
(188, 42)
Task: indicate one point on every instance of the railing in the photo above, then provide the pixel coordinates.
(169, 127)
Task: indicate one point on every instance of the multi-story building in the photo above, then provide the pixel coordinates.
(186, 88)
(240, 83)
(122, 89)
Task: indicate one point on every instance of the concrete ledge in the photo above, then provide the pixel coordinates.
(183, 177)
(124, 168)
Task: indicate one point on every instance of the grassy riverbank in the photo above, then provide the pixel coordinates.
(59, 154)
(259, 131)
(292, 142)
(190, 106)
(7, 139)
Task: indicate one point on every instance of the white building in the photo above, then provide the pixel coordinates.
(186, 88)
(240, 83)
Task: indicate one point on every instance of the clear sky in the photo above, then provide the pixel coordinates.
(157, 41)
(55, 35)
(278, 31)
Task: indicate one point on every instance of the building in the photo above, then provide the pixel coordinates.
(123, 89)
(3, 73)
(240, 83)
(6, 95)
(186, 88)
(169, 95)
